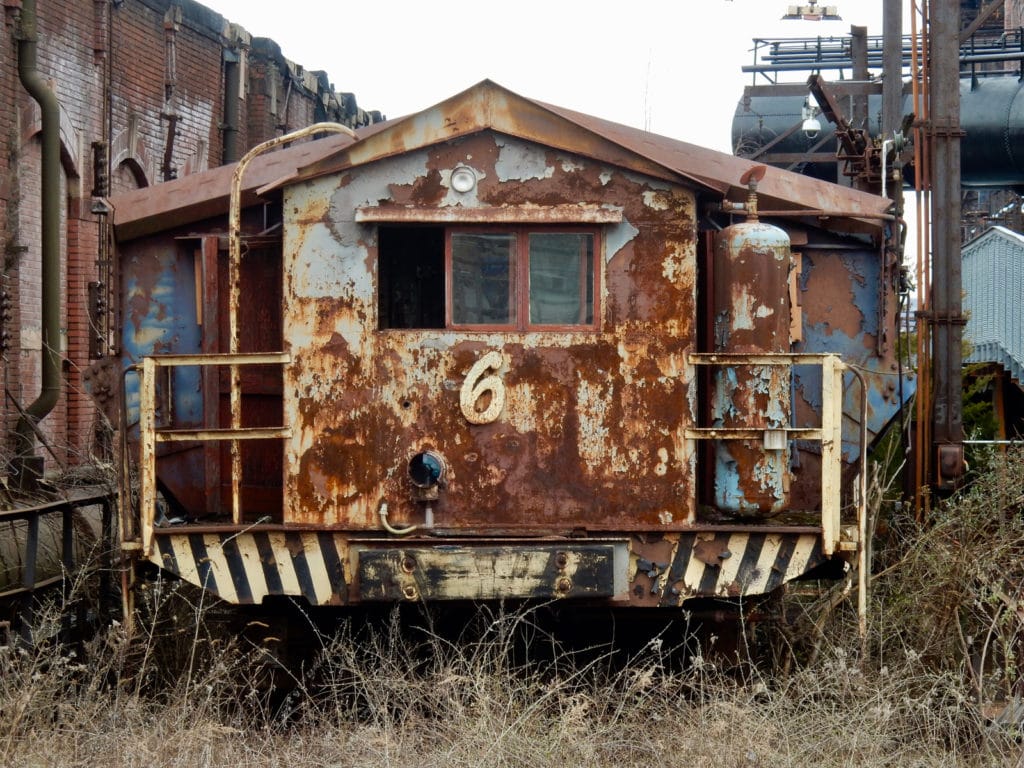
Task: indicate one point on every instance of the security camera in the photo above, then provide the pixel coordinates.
(811, 127)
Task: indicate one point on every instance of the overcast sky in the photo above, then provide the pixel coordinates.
(672, 67)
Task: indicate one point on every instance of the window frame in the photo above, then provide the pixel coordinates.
(520, 274)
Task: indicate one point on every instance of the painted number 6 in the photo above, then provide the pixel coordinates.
(476, 384)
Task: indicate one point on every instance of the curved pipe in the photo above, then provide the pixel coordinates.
(40, 90)
(382, 512)
(235, 284)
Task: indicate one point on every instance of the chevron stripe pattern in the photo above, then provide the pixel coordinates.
(247, 567)
(734, 564)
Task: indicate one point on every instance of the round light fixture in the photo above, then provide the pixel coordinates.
(426, 469)
(463, 179)
(811, 127)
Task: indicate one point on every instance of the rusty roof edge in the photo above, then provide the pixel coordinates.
(485, 106)
(593, 125)
(786, 189)
(484, 97)
(337, 162)
(201, 195)
(341, 161)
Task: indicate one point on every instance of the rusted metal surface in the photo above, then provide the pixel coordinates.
(828, 436)
(200, 196)
(946, 310)
(176, 300)
(460, 572)
(150, 433)
(159, 310)
(235, 286)
(844, 313)
(668, 571)
(549, 214)
(592, 428)
(752, 315)
(546, 439)
(503, 110)
(48, 540)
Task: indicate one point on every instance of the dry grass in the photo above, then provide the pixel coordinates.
(184, 694)
(467, 706)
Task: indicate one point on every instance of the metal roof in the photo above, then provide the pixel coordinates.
(488, 106)
(204, 195)
(993, 281)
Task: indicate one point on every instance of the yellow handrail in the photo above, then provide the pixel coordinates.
(829, 434)
(150, 434)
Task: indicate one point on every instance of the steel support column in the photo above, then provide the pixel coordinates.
(946, 304)
(892, 67)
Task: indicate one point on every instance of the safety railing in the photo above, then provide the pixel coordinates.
(150, 434)
(54, 553)
(829, 434)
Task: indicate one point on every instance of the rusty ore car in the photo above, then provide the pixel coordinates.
(500, 350)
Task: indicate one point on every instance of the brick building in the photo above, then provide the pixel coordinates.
(148, 90)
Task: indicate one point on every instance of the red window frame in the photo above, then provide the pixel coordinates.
(520, 278)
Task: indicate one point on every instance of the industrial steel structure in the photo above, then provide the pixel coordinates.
(943, 115)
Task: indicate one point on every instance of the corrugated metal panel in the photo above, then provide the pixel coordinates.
(993, 278)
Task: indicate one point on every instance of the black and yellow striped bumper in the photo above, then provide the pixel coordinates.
(330, 568)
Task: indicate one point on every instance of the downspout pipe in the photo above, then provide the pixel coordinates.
(40, 90)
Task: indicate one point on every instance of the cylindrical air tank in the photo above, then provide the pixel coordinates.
(752, 316)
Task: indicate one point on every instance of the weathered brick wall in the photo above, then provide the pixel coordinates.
(125, 73)
(1013, 13)
(282, 96)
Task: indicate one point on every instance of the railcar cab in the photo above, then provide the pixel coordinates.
(467, 363)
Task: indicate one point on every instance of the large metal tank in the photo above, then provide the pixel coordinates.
(752, 316)
(991, 116)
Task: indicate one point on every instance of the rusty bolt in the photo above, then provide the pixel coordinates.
(409, 591)
(562, 559)
(563, 585)
(408, 564)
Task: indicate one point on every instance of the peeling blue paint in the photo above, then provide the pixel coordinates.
(617, 237)
(727, 482)
(864, 277)
(167, 326)
(883, 402)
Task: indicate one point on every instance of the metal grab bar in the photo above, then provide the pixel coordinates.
(150, 434)
(829, 434)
